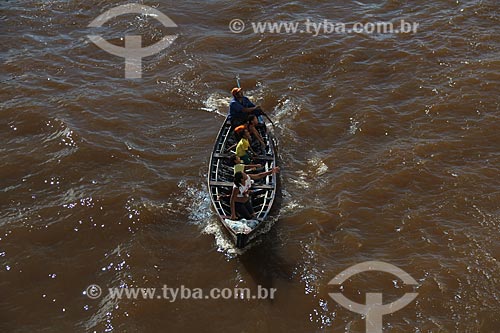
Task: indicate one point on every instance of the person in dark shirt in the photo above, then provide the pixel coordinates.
(240, 107)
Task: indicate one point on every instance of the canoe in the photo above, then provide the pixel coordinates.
(220, 184)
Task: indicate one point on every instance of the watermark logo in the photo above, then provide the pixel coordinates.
(93, 291)
(236, 26)
(374, 309)
(133, 52)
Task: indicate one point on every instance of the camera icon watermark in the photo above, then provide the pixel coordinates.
(374, 309)
(133, 52)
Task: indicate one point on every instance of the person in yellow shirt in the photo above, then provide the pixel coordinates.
(251, 126)
(238, 166)
(243, 147)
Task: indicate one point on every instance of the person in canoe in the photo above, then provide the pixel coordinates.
(239, 131)
(240, 108)
(251, 126)
(241, 203)
(238, 166)
(244, 146)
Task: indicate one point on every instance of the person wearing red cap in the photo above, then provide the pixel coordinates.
(240, 107)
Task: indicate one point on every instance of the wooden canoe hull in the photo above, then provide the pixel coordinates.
(220, 182)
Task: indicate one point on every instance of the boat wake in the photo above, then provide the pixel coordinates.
(202, 215)
(216, 103)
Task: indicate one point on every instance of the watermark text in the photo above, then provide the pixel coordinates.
(173, 294)
(324, 27)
